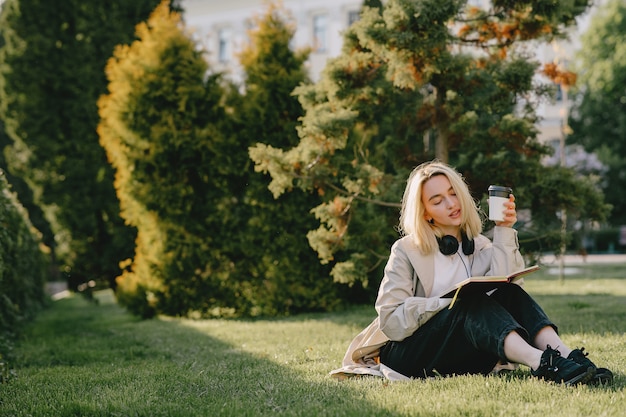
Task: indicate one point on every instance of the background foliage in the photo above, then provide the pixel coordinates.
(598, 118)
(51, 74)
(23, 270)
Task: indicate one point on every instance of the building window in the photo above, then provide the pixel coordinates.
(353, 16)
(320, 27)
(223, 47)
(476, 3)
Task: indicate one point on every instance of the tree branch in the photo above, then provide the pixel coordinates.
(365, 199)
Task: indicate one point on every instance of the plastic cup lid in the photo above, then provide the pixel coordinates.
(499, 188)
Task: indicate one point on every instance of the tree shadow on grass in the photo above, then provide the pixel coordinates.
(88, 360)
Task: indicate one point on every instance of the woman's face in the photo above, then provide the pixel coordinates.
(441, 204)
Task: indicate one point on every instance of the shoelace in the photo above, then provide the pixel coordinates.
(553, 353)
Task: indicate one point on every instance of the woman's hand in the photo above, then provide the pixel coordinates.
(510, 215)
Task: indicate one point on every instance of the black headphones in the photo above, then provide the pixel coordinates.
(448, 245)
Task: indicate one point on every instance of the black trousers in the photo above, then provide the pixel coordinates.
(469, 338)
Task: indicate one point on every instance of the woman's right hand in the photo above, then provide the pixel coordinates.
(510, 214)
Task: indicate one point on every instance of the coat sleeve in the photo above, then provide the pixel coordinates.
(506, 257)
(400, 312)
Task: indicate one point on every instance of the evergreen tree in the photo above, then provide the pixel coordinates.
(51, 74)
(422, 79)
(26, 199)
(373, 4)
(19, 186)
(273, 258)
(161, 125)
(598, 118)
(23, 271)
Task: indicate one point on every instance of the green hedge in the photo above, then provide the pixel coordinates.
(601, 241)
(605, 240)
(23, 269)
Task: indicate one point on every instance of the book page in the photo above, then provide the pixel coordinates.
(488, 282)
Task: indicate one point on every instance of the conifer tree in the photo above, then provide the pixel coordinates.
(274, 260)
(23, 270)
(417, 80)
(161, 125)
(373, 4)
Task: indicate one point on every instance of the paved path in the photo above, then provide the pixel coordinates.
(57, 290)
(589, 259)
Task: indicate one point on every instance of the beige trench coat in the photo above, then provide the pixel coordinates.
(405, 301)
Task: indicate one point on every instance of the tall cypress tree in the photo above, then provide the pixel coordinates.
(23, 271)
(161, 125)
(275, 264)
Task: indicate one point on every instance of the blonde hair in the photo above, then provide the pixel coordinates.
(412, 214)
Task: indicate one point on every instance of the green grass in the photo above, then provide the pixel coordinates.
(82, 359)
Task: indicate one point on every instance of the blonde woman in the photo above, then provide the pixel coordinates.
(417, 334)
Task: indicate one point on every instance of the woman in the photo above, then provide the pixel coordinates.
(416, 334)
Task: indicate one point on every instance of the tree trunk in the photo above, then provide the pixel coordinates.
(441, 145)
(441, 141)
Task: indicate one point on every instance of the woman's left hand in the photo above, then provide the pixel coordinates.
(510, 215)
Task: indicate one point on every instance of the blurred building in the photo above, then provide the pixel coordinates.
(553, 128)
(221, 28)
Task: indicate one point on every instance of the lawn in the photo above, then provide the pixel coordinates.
(82, 359)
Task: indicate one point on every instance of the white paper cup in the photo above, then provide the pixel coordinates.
(498, 196)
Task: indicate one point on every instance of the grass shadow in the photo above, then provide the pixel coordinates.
(83, 359)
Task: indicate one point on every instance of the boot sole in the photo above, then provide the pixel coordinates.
(603, 376)
(582, 378)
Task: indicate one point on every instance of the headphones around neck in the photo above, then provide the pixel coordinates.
(448, 245)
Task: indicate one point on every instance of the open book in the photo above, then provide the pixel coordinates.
(485, 283)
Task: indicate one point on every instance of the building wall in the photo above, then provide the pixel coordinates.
(221, 28)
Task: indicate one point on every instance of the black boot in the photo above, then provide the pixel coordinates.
(603, 375)
(554, 367)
